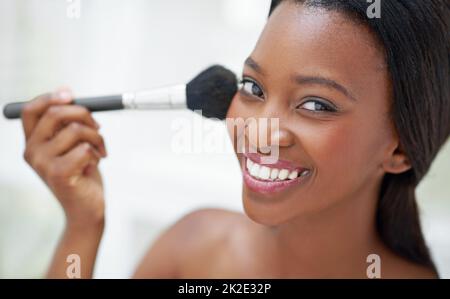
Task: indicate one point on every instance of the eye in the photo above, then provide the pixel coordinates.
(252, 88)
(317, 106)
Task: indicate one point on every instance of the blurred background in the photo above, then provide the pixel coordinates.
(109, 46)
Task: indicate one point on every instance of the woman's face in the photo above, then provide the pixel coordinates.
(323, 77)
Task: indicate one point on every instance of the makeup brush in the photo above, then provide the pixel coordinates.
(211, 92)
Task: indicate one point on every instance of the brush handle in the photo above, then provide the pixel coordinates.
(104, 103)
(171, 97)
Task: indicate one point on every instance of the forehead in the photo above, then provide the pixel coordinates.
(316, 41)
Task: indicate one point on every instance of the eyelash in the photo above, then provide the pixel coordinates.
(326, 108)
(245, 81)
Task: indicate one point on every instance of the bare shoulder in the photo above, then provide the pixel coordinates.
(204, 227)
(215, 218)
(188, 243)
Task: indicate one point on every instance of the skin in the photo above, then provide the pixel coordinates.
(322, 228)
(64, 147)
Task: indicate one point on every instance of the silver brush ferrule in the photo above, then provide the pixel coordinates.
(172, 97)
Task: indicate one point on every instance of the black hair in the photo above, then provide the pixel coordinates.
(415, 35)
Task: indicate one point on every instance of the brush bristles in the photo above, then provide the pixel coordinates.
(212, 91)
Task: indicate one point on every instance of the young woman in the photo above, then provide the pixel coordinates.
(363, 108)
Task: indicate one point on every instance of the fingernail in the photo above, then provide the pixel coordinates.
(64, 96)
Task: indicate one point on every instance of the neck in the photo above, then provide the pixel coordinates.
(334, 242)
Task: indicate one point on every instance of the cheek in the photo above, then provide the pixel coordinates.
(345, 153)
(234, 112)
(236, 116)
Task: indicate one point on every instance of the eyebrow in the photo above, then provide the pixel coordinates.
(254, 65)
(325, 82)
(301, 79)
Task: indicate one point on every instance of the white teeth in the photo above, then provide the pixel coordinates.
(274, 174)
(284, 173)
(264, 173)
(249, 164)
(293, 175)
(254, 171)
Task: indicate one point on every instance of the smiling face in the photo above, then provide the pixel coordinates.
(324, 77)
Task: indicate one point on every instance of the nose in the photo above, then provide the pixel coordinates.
(263, 134)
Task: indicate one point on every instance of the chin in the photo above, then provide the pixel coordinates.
(263, 212)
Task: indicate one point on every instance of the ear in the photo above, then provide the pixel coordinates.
(396, 160)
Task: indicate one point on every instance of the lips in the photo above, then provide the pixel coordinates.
(271, 178)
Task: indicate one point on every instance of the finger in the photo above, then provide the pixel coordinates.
(33, 110)
(37, 156)
(73, 134)
(57, 116)
(76, 160)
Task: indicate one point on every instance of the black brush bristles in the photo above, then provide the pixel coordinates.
(212, 91)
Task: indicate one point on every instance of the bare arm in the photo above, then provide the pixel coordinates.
(64, 147)
(82, 241)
